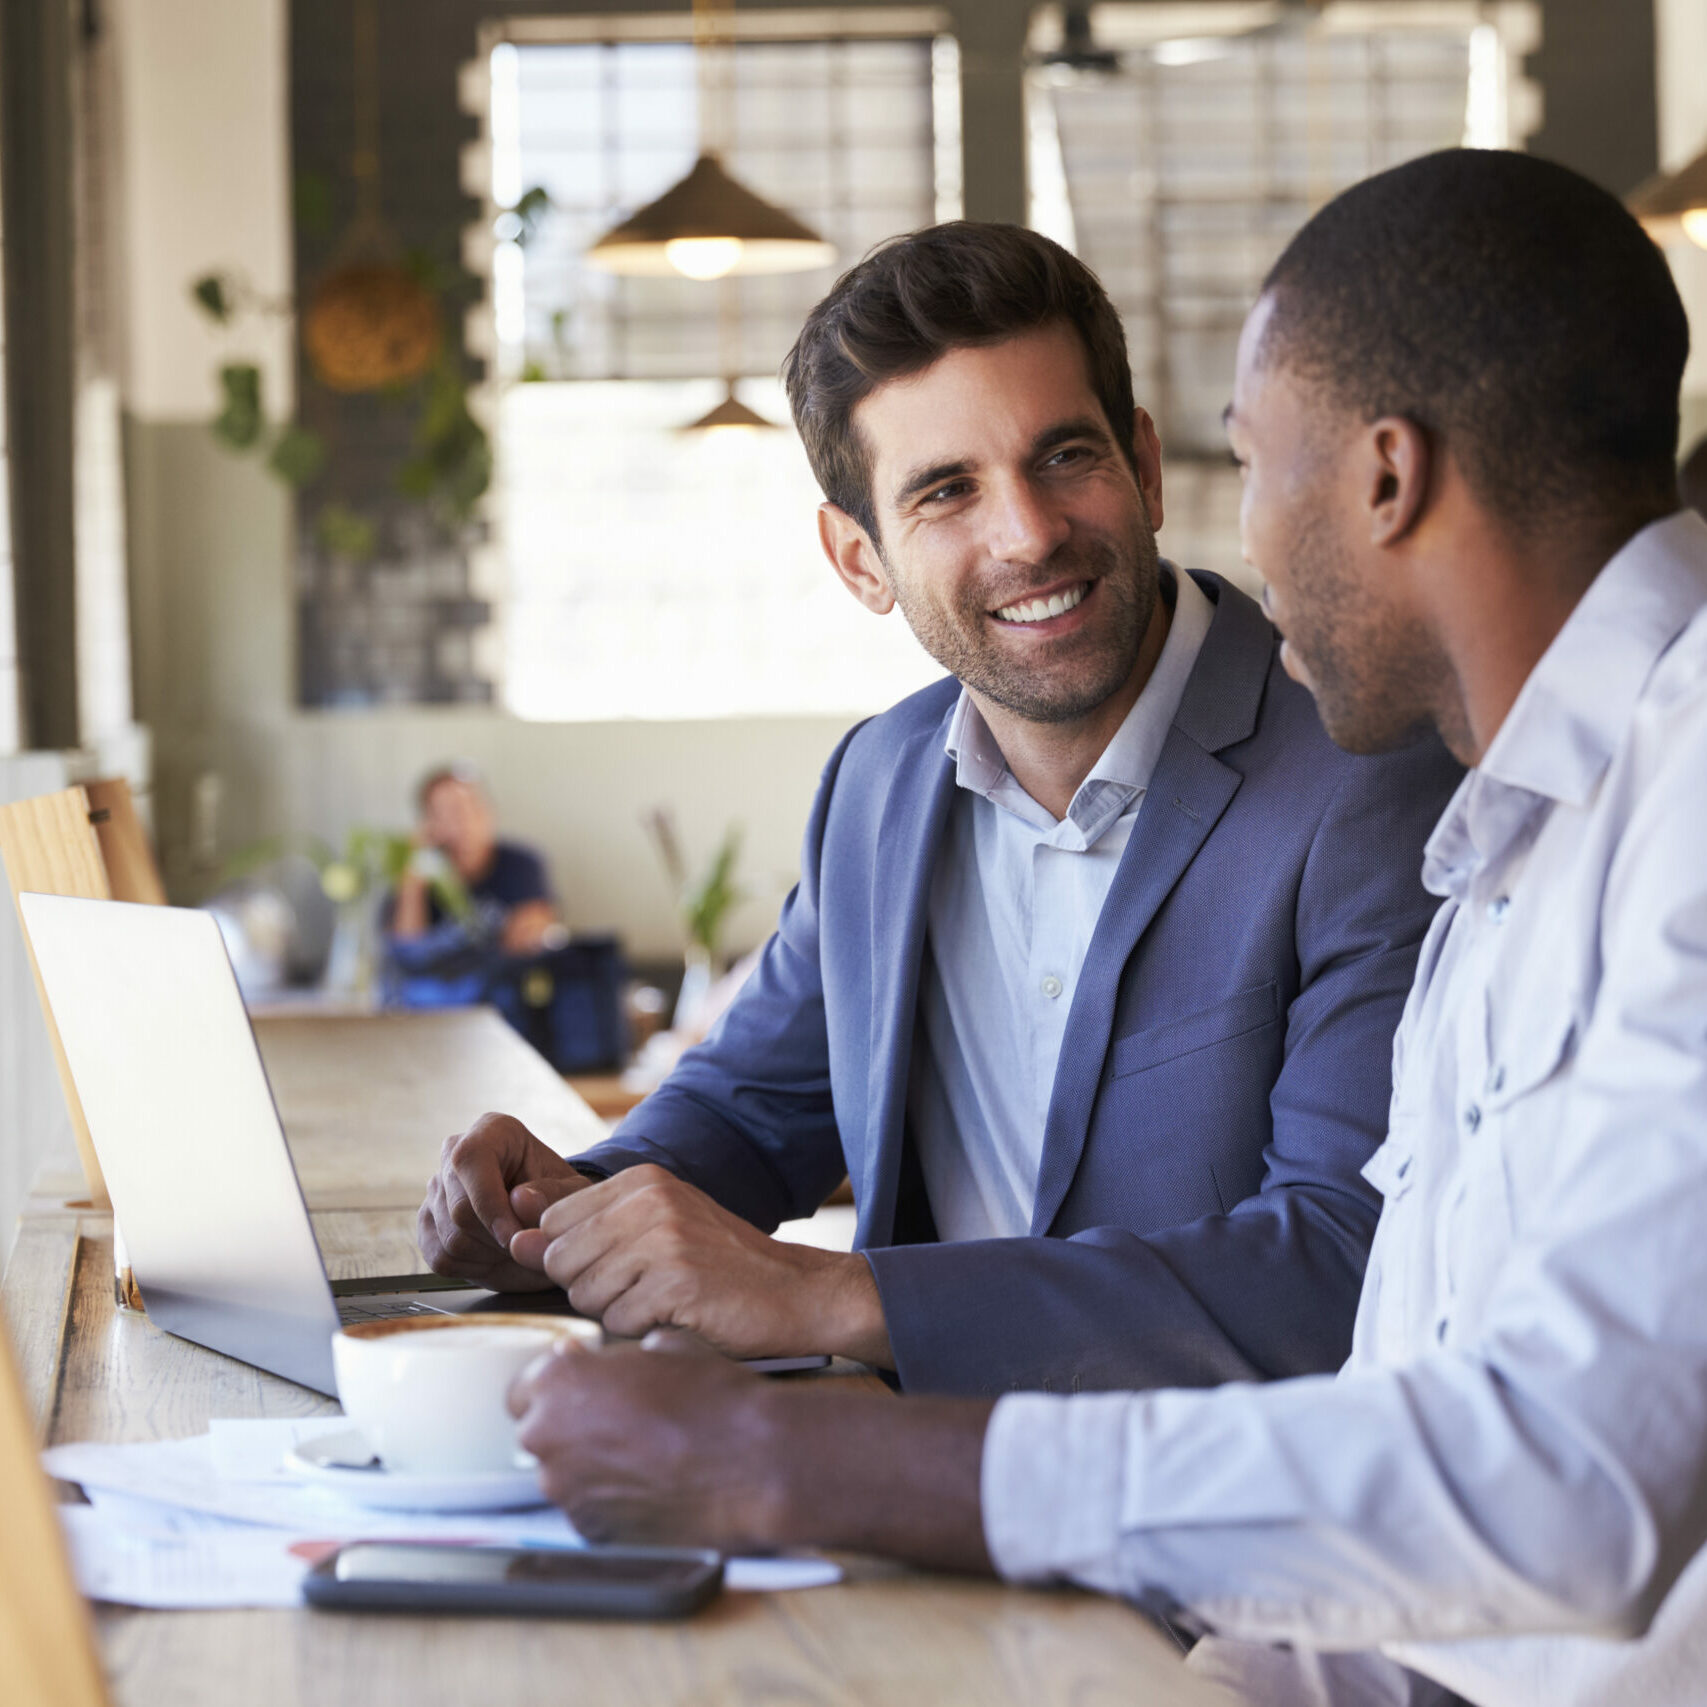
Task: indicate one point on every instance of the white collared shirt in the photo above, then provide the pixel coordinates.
(1518, 1442)
(1014, 900)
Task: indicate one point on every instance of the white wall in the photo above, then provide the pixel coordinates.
(205, 145)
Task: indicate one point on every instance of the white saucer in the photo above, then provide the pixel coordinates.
(344, 1464)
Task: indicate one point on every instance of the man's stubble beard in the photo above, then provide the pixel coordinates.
(1373, 682)
(1127, 581)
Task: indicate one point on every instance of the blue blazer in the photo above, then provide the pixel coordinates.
(1200, 1215)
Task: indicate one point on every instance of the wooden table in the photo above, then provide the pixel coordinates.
(355, 1099)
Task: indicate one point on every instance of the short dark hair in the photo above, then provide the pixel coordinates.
(915, 298)
(1508, 306)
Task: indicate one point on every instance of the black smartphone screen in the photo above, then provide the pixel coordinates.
(402, 1576)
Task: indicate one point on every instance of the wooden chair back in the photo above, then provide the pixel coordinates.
(89, 843)
(47, 1649)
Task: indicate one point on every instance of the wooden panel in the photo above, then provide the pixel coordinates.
(132, 874)
(39, 1290)
(49, 847)
(887, 1636)
(367, 1103)
(47, 1656)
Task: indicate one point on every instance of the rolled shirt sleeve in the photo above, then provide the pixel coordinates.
(1051, 1484)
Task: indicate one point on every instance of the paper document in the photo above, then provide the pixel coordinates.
(218, 1520)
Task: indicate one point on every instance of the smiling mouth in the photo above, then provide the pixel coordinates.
(1041, 610)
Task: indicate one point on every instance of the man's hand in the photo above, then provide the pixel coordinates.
(494, 1180)
(644, 1249)
(530, 926)
(639, 1445)
(644, 1446)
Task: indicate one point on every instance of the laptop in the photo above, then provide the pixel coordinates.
(184, 1124)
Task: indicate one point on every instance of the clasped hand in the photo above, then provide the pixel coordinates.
(640, 1250)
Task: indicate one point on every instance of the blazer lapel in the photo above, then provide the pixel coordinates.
(1188, 792)
(909, 838)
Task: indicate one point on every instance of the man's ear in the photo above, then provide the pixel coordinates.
(1400, 468)
(855, 559)
(1147, 460)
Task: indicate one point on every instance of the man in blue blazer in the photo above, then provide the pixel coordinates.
(1090, 979)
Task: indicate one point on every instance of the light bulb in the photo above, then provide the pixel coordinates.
(703, 257)
(1695, 226)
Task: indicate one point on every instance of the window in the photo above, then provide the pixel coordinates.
(1180, 172)
(647, 572)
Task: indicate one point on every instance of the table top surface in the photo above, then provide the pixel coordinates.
(356, 1098)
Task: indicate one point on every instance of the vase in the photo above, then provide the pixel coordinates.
(352, 964)
(698, 976)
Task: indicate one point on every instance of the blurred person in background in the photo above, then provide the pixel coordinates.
(435, 958)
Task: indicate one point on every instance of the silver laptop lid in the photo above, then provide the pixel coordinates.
(184, 1124)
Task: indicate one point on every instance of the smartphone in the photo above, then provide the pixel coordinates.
(786, 1365)
(547, 1582)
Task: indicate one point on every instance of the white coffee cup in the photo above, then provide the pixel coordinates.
(428, 1392)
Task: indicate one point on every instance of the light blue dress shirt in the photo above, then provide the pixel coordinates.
(1505, 1488)
(1014, 901)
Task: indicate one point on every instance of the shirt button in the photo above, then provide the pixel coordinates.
(1052, 986)
(1498, 908)
(1496, 1081)
(1472, 1117)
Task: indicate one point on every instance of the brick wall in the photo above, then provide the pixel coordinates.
(398, 627)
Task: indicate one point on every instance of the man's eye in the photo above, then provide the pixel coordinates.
(938, 494)
(1068, 454)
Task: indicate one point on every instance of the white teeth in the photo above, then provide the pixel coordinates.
(1040, 610)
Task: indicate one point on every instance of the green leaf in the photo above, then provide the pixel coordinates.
(530, 211)
(451, 893)
(707, 903)
(238, 423)
(533, 372)
(452, 464)
(297, 455)
(213, 296)
(343, 532)
(312, 198)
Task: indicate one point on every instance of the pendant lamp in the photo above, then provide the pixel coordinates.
(1670, 203)
(731, 415)
(709, 225)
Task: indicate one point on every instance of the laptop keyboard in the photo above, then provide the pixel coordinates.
(349, 1310)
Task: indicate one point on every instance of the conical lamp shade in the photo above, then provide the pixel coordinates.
(707, 227)
(1670, 203)
(731, 412)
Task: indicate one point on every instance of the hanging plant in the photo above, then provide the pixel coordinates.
(352, 347)
(371, 327)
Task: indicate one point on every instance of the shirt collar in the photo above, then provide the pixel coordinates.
(1575, 708)
(1123, 771)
